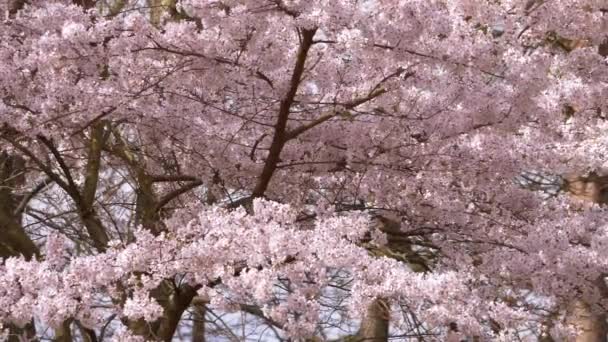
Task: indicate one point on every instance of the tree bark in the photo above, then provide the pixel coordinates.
(374, 327)
(173, 311)
(198, 325)
(63, 333)
(14, 241)
(591, 326)
(158, 8)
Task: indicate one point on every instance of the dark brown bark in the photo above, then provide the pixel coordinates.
(17, 334)
(174, 309)
(84, 198)
(174, 303)
(13, 239)
(174, 300)
(86, 4)
(15, 6)
(280, 127)
(86, 211)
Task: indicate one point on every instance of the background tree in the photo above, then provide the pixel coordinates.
(299, 170)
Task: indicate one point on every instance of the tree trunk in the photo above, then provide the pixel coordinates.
(591, 326)
(374, 327)
(198, 325)
(63, 333)
(173, 311)
(13, 239)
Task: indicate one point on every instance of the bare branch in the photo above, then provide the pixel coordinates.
(73, 189)
(27, 198)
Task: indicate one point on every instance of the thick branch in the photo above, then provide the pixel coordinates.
(87, 214)
(27, 198)
(374, 326)
(279, 138)
(72, 188)
(176, 178)
(14, 6)
(46, 169)
(86, 4)
(175, 193)
(281, 7)
(377, 91)
(13, 239)
(93, 164)
(95, 120)
(173, 311)
(323, 118)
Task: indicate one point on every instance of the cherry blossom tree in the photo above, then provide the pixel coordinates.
(300, 170)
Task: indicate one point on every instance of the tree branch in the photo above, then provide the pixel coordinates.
(45, 168)
(175, 193)
(27, 198)
(93, 163)
(376, 92)
(73, 189)
(177, 178)
(279, 137)
(350, 105)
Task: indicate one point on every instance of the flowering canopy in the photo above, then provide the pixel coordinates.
(273, 157)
